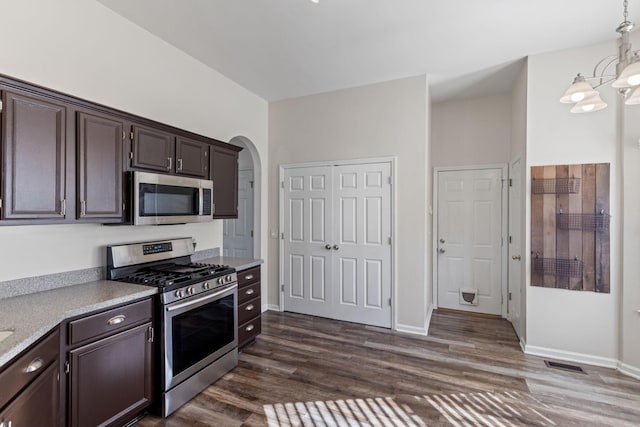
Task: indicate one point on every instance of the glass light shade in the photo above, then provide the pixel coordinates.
(592, 103)
(578, 91)
(630, 76)
(634, 99)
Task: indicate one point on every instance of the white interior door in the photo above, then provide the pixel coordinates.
(336, 247)
(308, 243)
(515, 248)
(238, 233)
(470, 240)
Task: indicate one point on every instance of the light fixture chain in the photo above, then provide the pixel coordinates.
(626, 12)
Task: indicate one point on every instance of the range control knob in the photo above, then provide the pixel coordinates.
(206, 286)
(179, 293)
(228, 278)
(220, 281)
(191, 291)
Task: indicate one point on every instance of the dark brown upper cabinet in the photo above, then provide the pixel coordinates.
(38, 158)
(152, 149)
(224, 174)
(100, 164)
(192, 157)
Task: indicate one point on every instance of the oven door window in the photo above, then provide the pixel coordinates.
(167, 200)
(200, 332)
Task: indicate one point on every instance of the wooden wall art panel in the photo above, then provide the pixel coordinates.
(570, 227)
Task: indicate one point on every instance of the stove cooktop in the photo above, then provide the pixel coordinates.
(170, 275)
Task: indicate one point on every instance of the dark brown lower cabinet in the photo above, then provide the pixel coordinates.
(249, 306)
(37, 405)
(111, 379)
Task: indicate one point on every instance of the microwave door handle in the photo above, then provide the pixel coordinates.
(201, 202)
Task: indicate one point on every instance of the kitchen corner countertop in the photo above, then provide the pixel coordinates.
(238, 263)
(32, 316)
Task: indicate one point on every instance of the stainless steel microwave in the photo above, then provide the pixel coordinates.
(169, 199)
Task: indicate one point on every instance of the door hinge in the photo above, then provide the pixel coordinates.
(389, 239)
(151, 335)
(67, 367)
(389, 302)
(131, 155)
(124, 207)
(124, 135)
(282, 236)
(501, 299)
(502, 241)
(389, 180)
(282, 288)
(0, 203)
(510, 239)
(251, 184)
(509, 296)
(131, 135)
(281, 184)
(0, 105)
(251, 233)
(510, 182)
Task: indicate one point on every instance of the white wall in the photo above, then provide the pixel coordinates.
(630, 295)
(574, 325)
(471, 131)
(84, 49)
(386, 119)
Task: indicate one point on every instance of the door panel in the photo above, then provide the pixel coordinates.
(238, 233)
(348, 226)
(192, 158)
(470, 239)
(515, 248)
(153, 149)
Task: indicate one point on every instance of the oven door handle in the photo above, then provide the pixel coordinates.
(201, 299)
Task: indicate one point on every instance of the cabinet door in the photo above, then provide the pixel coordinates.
(111, 379)
(34, 142)
(153, 149)
(224, 173)
(38, 404)
(192, 157)
(100, 140)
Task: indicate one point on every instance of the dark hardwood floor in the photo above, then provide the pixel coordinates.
(469, 371)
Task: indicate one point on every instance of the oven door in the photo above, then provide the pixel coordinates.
(197, 331)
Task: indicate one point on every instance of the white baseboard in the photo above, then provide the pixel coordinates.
(523, 345)
(569, 356)
(428, 323)
(270, 307)
(632, 371)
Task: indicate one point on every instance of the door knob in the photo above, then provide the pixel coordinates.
(327, 247)
(336, 247)
(441, 240)
(516, 257)
(442, 251)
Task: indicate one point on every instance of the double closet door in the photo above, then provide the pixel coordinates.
(337, 242)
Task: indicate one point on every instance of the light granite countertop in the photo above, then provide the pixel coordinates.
(237, 263)
(32, 316)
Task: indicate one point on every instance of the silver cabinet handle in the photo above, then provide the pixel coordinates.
(441, 251)
(249, 307)
(170, 159)
(116, 319)
(179, 164)
(249, 328)
(249, 292)
(34, 365)
(516, 257)
(327, 247)
(336, 247)
(248, 277)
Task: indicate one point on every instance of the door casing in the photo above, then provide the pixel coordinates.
(504, 227)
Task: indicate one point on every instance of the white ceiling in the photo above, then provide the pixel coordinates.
(287, 48)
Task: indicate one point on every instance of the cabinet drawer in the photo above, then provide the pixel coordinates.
(249, 330)
(28, 367)
(248, 310)
(110, 321)
(248, 292)
(248, 276)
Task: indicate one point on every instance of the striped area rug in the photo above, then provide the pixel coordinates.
(506, 409)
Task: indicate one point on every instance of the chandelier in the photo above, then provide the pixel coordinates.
(627, 75)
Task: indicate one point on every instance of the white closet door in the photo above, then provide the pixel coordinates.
(308, 242)
(237, 239)
(362, 251)
(336, 247)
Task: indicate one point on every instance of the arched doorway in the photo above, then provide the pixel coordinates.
(241, 236)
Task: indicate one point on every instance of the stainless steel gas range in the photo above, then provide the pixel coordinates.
(197, 311)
